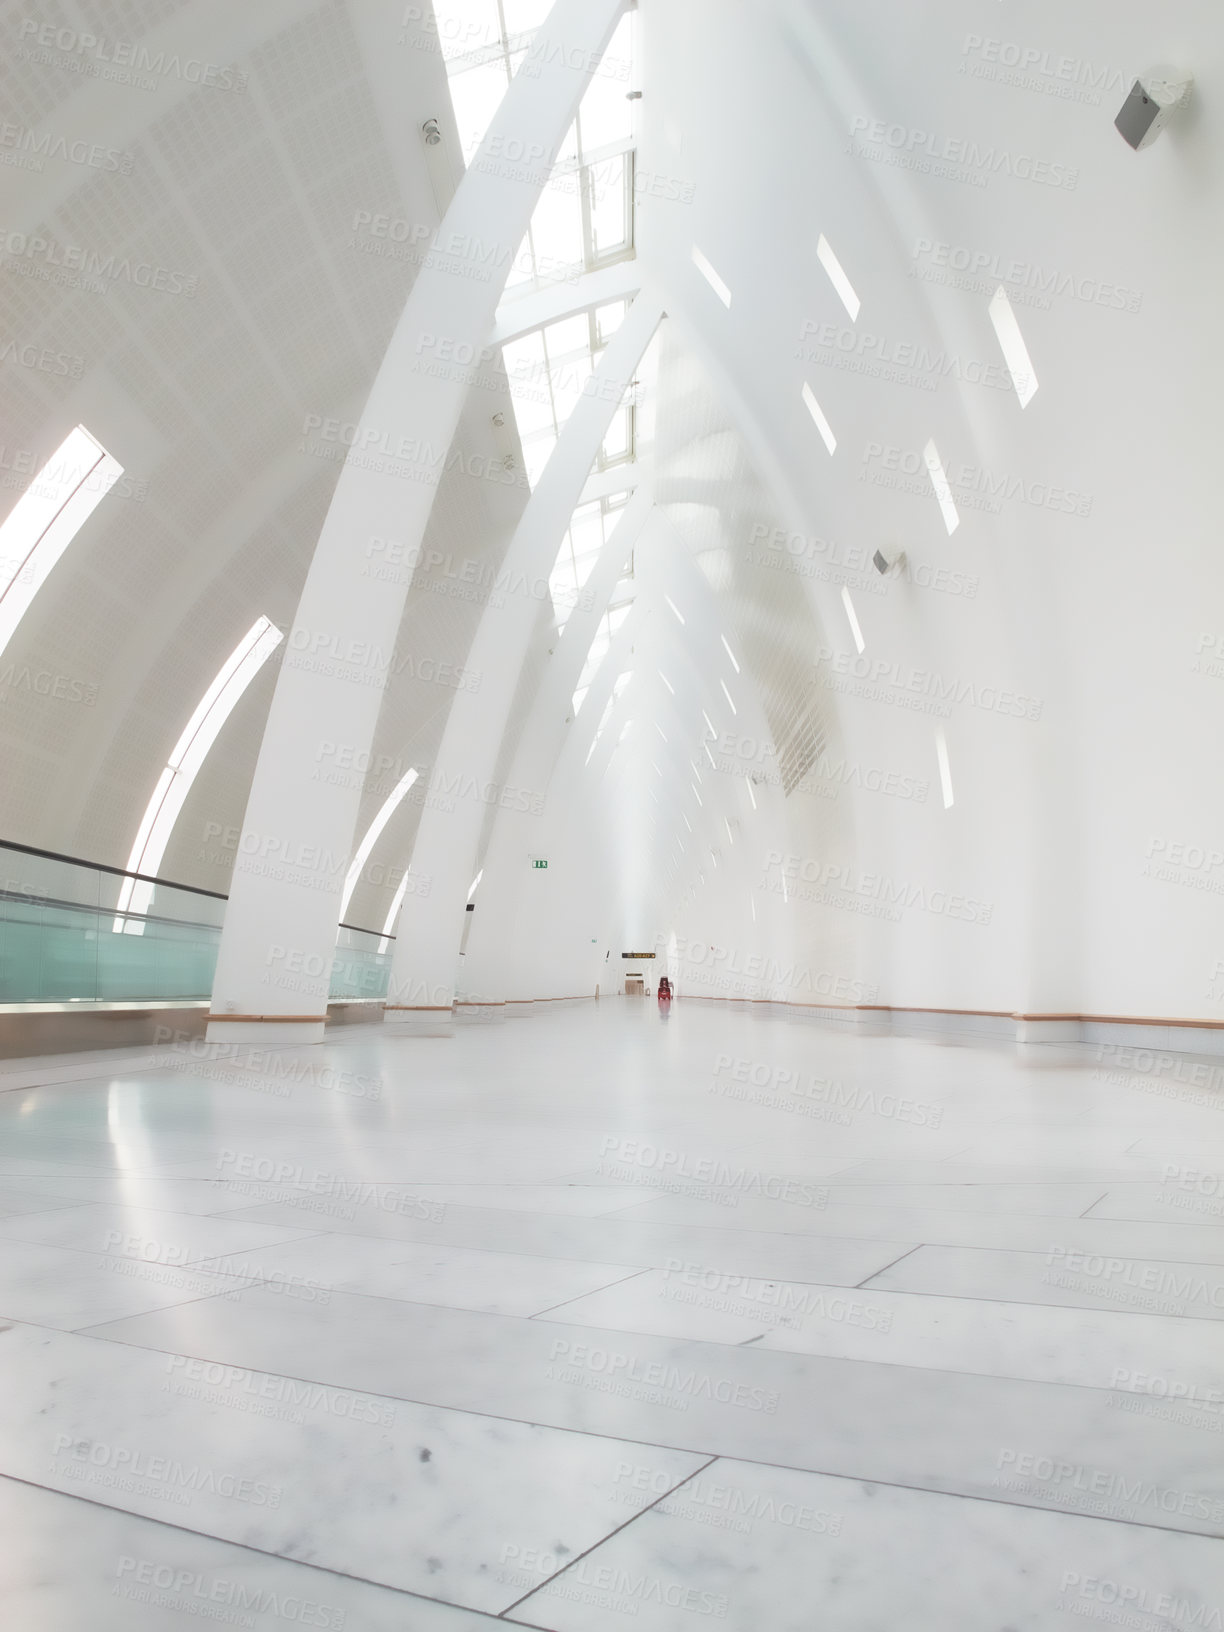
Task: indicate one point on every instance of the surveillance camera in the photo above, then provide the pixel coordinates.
(1154, 98)
(432, 132)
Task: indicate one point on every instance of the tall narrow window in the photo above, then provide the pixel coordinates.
(390, 805)
(190, 752)
(46, 519)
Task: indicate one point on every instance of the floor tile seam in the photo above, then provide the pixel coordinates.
(616, 1531)
(594, 1292)
(860, 1285)
(259, 1552)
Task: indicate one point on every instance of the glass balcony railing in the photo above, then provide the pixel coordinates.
(64, 938)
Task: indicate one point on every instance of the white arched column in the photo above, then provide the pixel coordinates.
(298, 831)
(490, 959)
(430, 928)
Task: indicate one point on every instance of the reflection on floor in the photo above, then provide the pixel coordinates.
(603, 1315)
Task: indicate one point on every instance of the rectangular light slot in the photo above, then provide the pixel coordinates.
(731, 655)
(945, 769)
(817, 413)
(709, 755)
(837, 277)
(852, 620)
(943, 491)
(752, 904)
(475, 884)
(712, 278)
(751, 791)
(727, 695)
(661, 731)
(667, 682)
(1015, 352)
(675, 609)
(696, 795)
(190, 752)
(47, 517)
(687, 824)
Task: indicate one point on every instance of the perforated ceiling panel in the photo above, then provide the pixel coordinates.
(265, 318)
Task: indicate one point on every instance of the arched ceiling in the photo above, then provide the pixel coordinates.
(941, 154)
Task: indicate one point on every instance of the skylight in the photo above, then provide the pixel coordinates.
(585, 215)
(945, 769)
(1015, 352)
(389, 807)
(190, 752)
(589, 528)
(837, 277)
(547, 371)
(712, 278)
(943, 491)
(817, 413)
(47, 517)
(852, 620)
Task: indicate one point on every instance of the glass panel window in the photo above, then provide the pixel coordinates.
(608, 202)
(476, 94)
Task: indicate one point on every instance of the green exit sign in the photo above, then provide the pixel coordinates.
(539, 864)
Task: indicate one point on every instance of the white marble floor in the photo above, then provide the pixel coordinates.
(594, 1316)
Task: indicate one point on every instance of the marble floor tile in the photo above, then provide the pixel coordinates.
(952, 1195)
(1074, 1276)
(473, 1261)
(405, 1495)
(141, 1233)
(1195, 1243)
(499, 1283)
(26, 1197)
(747, 1547)
(1190, 1195)
(621, 1238)
(1090, 1348)
(122, 1573)
(66, 1288)
(927, 1429)
(178, 1195)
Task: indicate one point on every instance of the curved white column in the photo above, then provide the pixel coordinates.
(298, 832)
(491, 946)
(427, 939)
